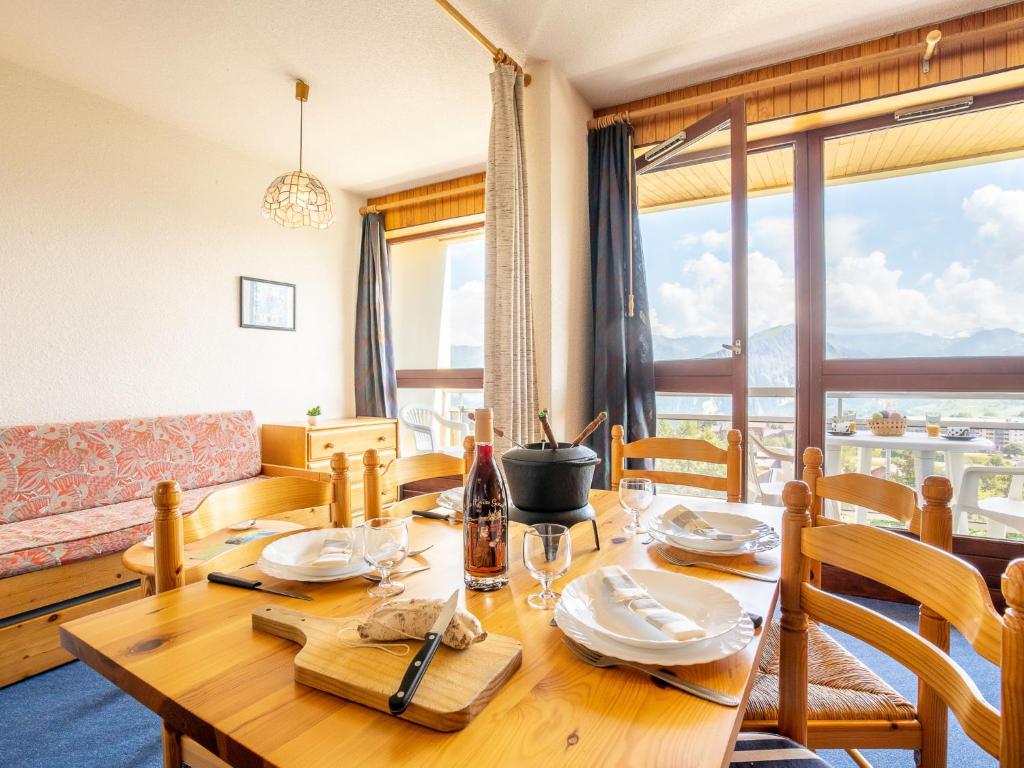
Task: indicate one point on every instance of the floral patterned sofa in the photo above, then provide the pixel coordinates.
(75, 495)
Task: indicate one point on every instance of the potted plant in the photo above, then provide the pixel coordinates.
(313, 416)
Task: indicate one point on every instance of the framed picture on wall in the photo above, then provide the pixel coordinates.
(267, 304)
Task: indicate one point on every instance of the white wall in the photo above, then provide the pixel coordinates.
(556, 154)
(121, 243)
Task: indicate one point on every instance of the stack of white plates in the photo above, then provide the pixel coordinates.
(588, 614)
(292, 557)
(762, 537)
(451, 499)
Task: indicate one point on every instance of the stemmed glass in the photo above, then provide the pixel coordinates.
(387, 542)
(635, 496)
(547, 552)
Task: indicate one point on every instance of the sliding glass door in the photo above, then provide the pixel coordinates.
(693, 194)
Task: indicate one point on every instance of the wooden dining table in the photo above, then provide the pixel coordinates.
(192, 656)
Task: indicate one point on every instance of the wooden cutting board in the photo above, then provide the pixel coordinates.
(457, 685)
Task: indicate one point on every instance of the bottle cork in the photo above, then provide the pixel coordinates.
(483, 418)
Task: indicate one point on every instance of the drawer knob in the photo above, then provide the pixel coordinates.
(328, 445)
(381, 438)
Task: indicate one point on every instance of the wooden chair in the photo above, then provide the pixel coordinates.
(265, 498)
(951, 588)
(851, 707)
(685, 449)
(380, 478)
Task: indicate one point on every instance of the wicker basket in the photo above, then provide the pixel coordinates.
(894, 426)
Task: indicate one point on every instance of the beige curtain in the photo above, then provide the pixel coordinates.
(510, 374)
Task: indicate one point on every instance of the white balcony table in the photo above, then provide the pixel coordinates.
(191, 656)
(923, 448)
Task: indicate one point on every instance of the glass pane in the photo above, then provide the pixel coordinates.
(702, 417)
(437, 302)
(992, 430)
(923, 226)
(686, 228)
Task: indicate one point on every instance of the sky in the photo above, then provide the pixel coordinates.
(466, 292)
(939, 253)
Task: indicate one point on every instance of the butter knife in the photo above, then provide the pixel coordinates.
(413, 676)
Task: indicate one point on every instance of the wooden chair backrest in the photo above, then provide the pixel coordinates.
(883, 496)
(262, 498)
(380, 479)
(686, 449)
(950, 586)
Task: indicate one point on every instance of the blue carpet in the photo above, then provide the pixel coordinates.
(72, 712)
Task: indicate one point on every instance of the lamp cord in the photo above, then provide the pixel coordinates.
(300, 135)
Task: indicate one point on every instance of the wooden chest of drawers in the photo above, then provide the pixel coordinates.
(305, 447)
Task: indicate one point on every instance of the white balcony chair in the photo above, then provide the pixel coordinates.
(1001, 511)
(421, 420)
(769, 487)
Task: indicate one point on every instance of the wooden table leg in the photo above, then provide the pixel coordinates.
(171, 746)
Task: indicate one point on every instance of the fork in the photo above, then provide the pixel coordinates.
(406, 572)
(663, 551)
(596, 659)
(418, 552)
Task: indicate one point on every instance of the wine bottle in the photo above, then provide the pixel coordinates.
(485, 514)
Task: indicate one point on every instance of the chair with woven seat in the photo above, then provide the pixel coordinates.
(850, 707)
(953, 589)
(379, 478)
(681, 449)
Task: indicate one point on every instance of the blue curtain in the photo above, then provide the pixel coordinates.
(376, 383)
(623, 364)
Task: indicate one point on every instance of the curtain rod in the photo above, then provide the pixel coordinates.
(924, 50)
(425, 198)
(495, 51)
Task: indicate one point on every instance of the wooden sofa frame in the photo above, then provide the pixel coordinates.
(33, 605)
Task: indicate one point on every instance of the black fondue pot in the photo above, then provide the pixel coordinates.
(549, 479)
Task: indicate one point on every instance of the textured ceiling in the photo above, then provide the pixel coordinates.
(399, 94)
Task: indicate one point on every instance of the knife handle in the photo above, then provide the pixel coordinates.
(432, 515)
(232, 581)
(400, 700)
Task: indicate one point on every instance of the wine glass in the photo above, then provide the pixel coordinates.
(635, 496)
(547, 552)
(387, 542)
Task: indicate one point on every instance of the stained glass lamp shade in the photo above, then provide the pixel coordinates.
(297, 198)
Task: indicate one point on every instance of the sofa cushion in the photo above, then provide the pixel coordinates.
(53, 469)
(31, 545)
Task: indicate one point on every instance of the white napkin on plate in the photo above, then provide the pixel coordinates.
(625, 590)
(333, 552)
(692, 524)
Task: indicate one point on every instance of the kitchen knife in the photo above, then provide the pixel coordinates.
(236, 581)
(435, 515)
(399, 701)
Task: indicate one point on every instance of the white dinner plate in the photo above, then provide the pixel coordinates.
(726, 522)
(702, 652)
(293, 554)
(288, 574)
(764, 544)
(589, 601)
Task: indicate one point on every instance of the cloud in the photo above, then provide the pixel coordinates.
(998, 212)
(716, 239)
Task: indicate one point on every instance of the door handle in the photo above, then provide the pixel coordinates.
(736, 347)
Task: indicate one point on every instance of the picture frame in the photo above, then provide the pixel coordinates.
(266, 304)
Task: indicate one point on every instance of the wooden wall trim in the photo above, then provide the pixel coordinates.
(456, 204)
(955, 61)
